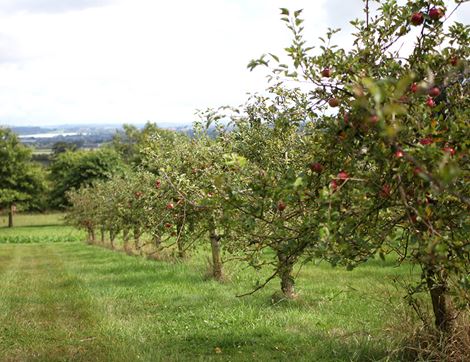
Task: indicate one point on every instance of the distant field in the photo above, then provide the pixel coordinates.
(33, 219)
(34, 228)
(42, 151)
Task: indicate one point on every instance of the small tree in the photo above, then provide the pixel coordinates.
(21, 181)
(84, 210)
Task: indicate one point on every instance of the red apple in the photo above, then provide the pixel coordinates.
(399, 154)
(434, 92)
(414, 88)
(343, 175)
(426, 141)
(417, 18)
(316, 167)
(333, 102)
(430, 102)
(454, 60)
(158, 184)
(436, 13)
(170, 206)
(450, 150)
(281, 206)
(374, 119)
(333, 185)
(168, 225)
(386, 190)
(326, 73)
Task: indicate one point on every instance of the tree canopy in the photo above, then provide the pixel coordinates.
(21, 180)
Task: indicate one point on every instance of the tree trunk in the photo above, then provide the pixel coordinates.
(157, 241)
(91, 235)
(217, 270)
(112, 236)
(137, 234)
(125, 236)
(10, 216)
(285, 267)
(180, 241)
(441, 304)
(102, 236)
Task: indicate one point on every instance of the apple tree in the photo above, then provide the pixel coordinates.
(395, 123)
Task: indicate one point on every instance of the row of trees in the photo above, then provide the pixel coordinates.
(29, 185)
(350, 154)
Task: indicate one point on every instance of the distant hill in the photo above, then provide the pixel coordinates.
(30, 130)
(87, 136)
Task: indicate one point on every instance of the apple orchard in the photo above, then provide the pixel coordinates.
(349, 155)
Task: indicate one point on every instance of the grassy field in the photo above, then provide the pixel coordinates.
(33, 219)
(34, 228)
(72, 301)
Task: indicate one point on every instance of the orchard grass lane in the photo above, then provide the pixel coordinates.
(45, 312)
(69, 301)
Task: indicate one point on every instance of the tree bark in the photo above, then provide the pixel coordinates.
(112, 236)
(180, 241)
(441, 304)
(157, 240)
(285, 267)
(91, 235)
(125, 236)
(10, 216)
(217, 266)
(102, 236)
(137, 234)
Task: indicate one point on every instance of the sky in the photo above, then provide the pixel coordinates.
(132, 61)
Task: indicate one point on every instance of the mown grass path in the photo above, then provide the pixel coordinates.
(74, 302)
(45, 313)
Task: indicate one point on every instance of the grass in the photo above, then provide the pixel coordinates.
(72, 301)
(34, 228)
(78, 302)
(42, 151)
(33, 219)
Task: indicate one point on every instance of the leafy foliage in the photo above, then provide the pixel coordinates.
(73, 169)
(21, 180)
(350, 154)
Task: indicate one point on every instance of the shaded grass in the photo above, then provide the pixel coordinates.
(128, 308)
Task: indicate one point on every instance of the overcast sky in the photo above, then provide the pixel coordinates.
(129, 61)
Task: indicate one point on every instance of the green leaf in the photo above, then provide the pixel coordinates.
(298, 182)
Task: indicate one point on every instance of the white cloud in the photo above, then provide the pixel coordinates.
(138, 60)
(48, 6)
